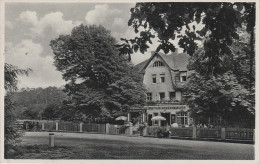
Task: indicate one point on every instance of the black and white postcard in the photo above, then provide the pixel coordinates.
(129, 81)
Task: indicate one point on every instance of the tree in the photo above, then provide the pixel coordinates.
(217, 57)
(100, 82)
(30, 101)
(10, 85)
(220, 96)
(31, 113)
(51, 112)
(169, 21)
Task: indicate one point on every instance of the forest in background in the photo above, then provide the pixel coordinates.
(30, 103)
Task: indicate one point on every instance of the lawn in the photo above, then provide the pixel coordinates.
(96, 149)
(99, 146)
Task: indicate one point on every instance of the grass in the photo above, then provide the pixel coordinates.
(36, 147)
(94, 149)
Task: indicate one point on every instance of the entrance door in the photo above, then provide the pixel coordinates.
(167, 121)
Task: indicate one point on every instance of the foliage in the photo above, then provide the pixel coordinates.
(169, 21)
(218, 96)
(51, 112)
(11, 74)
(31, 114)
(10, 85)
(217, 55)
(29, 101)
(100, 82)
(237, 67)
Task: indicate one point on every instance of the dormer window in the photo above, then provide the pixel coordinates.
(158, 64)
(183, 76)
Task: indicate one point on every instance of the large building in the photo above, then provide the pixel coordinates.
(164, 77)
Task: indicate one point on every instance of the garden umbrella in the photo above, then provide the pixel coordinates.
(121, 118)
(158, 118)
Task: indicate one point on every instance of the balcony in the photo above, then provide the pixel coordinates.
(172, 101)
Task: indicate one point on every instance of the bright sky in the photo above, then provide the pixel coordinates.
(29, 27)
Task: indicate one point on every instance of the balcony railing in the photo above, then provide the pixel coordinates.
(164, 101)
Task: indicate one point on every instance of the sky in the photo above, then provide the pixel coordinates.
(29, 28)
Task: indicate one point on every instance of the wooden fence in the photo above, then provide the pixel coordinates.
(82, 127)
(114, 129)
(187, 132)
(91, 127)
(49, 126)
(208, 133)
(203, 133)
(242, 134)
(181, 132)
(68, 126)
(153, 130)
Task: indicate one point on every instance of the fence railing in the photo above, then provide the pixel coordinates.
(208, 133)
(68, 126)
(49, 126)
(153, 130)
(203, 133)
(114, 129)
(187, 132)
(92, 127)
(242, 134)
(181, 132)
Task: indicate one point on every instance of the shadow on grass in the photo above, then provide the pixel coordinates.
(32, 151)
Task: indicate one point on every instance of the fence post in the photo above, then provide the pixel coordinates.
(130, 129)
(145, 131)
(223, 133)
(194, 133)
(80, 127)
(57, 126)
(51, 139)
(107, 128)
(43, 126)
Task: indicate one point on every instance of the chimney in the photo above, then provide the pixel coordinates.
(152, 53)
(176, 51)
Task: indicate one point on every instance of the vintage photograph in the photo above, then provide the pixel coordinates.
(129, 80)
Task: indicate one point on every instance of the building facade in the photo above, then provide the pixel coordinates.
(164, 77)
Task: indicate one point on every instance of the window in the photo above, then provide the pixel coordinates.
(173, 118)
(182, 118)
(149, 96)
(183, 78)
(154, 78)
(158, 64)
(162, 78)
(162, 96)
(172, 95)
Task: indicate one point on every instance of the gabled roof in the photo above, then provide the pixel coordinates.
(174, 61)
(139, 67)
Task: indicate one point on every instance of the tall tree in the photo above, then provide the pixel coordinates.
(169, 21)
(100, 82)
(218, 56)
(10, 85)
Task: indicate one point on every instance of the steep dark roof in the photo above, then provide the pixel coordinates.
(139, 67)
(174, 61)
(181, 61)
